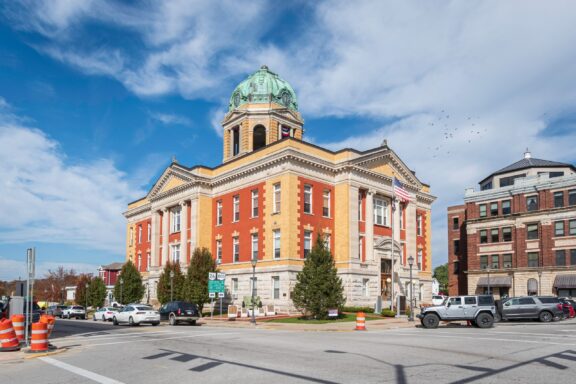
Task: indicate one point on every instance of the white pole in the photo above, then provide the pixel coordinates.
(393, 297)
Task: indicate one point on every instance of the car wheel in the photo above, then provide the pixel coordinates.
(114, 321)
(430, 321)
(497, 318)
(172, 319)
(484, 320)
(131, 321)
(155, 324)
(545, 317)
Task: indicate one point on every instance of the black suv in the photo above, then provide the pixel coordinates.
(175, 311)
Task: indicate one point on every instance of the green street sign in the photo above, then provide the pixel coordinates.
(215, 286)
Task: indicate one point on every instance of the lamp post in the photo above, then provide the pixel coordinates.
(147, 292)
(539, 280)
(488, 271)
(411, 317)
(86, 294)
(121, 291)
(388, 295)
(254, 261)
(171, 285)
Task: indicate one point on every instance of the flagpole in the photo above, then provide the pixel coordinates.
(393, 297)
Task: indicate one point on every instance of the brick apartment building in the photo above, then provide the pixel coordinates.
(517, 235)
(270, 198)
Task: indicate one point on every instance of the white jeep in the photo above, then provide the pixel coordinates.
(479, 310)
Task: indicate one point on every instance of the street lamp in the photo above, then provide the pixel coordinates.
(121, 290)
(539, 280)
(171, 285)
(254, 261)
(410, 263)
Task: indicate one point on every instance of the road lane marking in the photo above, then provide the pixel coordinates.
(112, 336)
(167, 338)
(80, 371)
(492, 339)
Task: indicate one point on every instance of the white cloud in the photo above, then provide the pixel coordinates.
(170, 119)
(46, 198)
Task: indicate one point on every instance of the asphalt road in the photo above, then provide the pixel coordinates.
(97, 352)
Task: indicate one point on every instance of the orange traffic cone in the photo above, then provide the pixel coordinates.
(8, 340)
(39, 339)
(360, 321)
(18, 323)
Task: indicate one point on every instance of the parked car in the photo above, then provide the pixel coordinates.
(56, 310)
(136, 314)
(568, 308)
(74, 311)
(438, 299)
(540, 308)
(105, 313)
(478, 310)
(176, 311)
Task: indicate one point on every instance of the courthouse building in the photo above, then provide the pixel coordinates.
(516, 236)
(270, 198)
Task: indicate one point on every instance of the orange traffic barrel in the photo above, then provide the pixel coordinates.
(49, 320)
(39, 337)
(8, 339)
(18, 323)
(360, 321)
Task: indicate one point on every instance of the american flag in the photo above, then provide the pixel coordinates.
(400, 192)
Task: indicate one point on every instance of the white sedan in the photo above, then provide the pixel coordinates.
(105, 313)
(136, 314)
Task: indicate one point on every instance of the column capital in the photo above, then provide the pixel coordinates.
(164, 210)
(183, 203)
(371, 192)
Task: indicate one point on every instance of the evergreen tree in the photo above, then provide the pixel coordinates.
(441, 274)
(196, 286)
(96, 292)
(80, 297)
(318, 287)
(131, 290)
(164, 290)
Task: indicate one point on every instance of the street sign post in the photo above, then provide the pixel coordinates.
(216, 286)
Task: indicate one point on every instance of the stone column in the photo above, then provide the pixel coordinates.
(369, 220)
(165, 234)
(155, 237)
(184, 233)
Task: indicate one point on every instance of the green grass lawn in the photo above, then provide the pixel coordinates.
(348, 317)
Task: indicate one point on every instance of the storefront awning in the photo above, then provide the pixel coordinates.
(495, 281)
(565, 281)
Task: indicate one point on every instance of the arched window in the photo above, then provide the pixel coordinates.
(532, 287)
(258, 137)
(235, 140)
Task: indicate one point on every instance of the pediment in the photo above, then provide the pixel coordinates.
(387, 163)
(171, 178)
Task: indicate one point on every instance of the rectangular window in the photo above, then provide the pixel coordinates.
(139, 262)
(277, 197)
(558, 199)
(255, 203)
(235, 141)
(494, 235)
(219, 251)
(532, 203)
(236, 207)
(507, 234)
(360, 247)
(573, 257)
(254, 246)
(277, 244)
(307, 198)
(419, 225)
(483, 261)
(327, 239)
(326, 203)
(456, 267)
(131, 236)
(234, 287)
(558, 228)
(483, 236)
(506, 207)
(219, 213)
(254, 286)
(149, 232)
(365, 287)
(532, 231)
(236, 249)
(507, 260)
(275, 287)
(482, 210)
(307, 243)
(572, 227)
(495, 264)
(455, 224)
(140, 234)
(572, 197)
(380, 211)
(360, 215)
(419, 255)
(176, 219)
(493, 209)
(456, 247)
(533, 259)
(148, 261)
(175, 253)
(560, 257)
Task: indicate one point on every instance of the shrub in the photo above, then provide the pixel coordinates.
(388, 313)
(358, 309)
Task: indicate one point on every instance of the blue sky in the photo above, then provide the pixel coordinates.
(97, 96)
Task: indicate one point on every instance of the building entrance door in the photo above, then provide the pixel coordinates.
(386, 280)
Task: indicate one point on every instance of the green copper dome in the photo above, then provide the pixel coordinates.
(263, 86)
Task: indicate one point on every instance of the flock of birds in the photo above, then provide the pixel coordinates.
(452, 129)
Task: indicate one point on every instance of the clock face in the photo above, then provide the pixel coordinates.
(236, 99)
(286, 99)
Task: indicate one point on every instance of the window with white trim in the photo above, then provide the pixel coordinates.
(360, 247)
(254, 246)
(131, 236)
(140, 234)
(175, 253)
(236, 208)
(277, 244)
(327, 238)
(148, 261)
(275, 287)
(219, 250)
(236, 248)
(254, 200)
(419, 225)
(139, 262)
(360, 215)
(326, 203)
(419, 255)
(175, 213)
(307, 243)
(149, 232)
(277, 197)
(219, 212)
(307, 199)
(380, 211)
